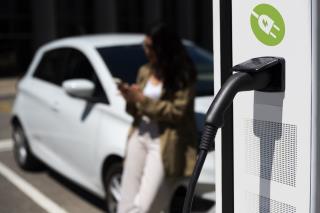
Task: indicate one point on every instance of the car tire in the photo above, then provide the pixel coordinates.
(22, 153)
(112, 184)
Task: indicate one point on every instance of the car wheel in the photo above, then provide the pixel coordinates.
(23, 156)
(112, 184)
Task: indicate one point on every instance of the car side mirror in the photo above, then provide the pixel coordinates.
(80, 88)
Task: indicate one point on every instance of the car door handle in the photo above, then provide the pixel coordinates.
(55, 107)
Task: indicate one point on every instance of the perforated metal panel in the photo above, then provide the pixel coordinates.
(272, 151)
(259, 204)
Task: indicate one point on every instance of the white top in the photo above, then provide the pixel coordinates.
(152, 91)
(148, 126)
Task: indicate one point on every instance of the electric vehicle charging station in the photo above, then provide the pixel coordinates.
(267, 156)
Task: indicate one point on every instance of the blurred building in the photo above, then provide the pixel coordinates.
(26, 24)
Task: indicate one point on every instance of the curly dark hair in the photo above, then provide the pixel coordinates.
(173, 63)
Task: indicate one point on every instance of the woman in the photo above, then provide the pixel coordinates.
(161, 144)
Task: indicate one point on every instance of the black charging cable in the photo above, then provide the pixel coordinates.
(208, 134)
(255, 74)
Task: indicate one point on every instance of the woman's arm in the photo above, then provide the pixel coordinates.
(143, 72)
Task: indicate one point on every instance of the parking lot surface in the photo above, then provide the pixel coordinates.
(63, 195)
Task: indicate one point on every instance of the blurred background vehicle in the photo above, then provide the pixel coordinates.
(68, 113)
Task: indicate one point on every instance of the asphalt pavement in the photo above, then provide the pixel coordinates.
(60, 193)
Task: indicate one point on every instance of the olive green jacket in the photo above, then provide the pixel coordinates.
(176, 120)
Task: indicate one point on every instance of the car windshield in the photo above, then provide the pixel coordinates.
(124, 62)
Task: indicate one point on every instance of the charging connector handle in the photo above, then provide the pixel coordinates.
(255, 74)
(238, 82)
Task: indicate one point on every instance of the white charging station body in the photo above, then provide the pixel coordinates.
(276, 155)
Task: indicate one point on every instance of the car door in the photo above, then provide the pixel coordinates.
(80, 119)
(41, 94)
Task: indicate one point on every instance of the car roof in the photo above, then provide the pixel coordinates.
(100, 40)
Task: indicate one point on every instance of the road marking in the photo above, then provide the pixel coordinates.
(39, 198)
(6, 145)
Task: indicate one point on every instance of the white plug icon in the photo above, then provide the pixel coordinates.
(266, 24)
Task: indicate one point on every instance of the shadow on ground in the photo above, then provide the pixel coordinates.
(78, 190)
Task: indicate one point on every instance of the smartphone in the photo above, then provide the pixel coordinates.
(121, 84)
(118, 81)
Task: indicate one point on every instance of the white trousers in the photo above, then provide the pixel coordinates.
(144, 188)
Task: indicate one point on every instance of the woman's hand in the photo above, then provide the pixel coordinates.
(132, 94)
(123, 88)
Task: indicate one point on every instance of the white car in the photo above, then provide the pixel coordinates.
(69, 115)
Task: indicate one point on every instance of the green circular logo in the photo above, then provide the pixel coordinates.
(267, 24)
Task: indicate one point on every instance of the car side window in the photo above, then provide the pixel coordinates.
(52, 65)
(78, 66)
